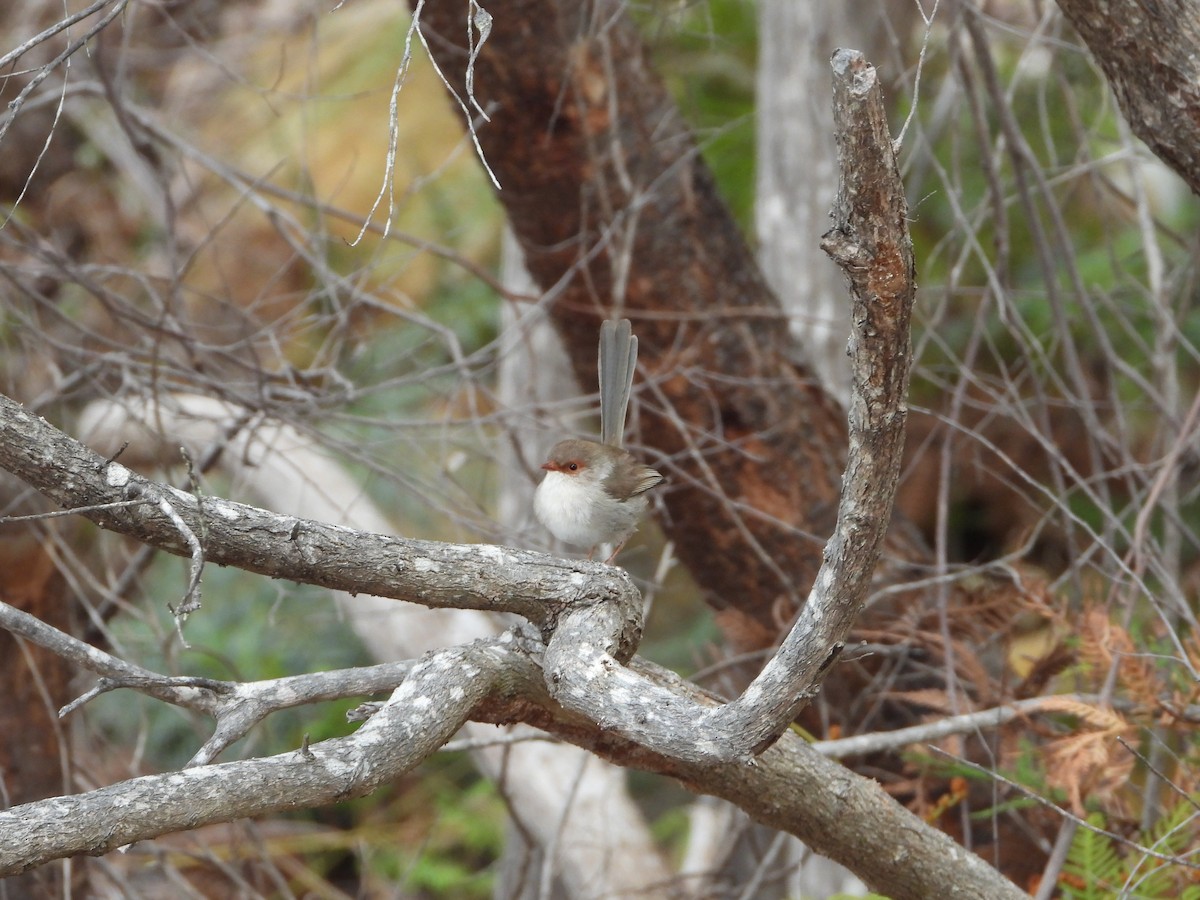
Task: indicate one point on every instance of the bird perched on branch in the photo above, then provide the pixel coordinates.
(595, 493)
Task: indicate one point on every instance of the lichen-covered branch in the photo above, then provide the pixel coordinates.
(587, 641)
(436, 698)
(435, 574)
(790, 787)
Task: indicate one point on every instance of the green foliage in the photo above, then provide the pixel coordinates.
(671, 829)
(706, 53)
(1070, 127)
(1016, 803)
(440, 836)
(1099, 867)
(248, 628)
(467, 307)
(1093, 866)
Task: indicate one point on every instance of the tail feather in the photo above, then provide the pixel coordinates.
(617, 362)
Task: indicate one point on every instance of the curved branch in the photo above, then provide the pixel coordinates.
(1150, 53)
(587, 641)
(870, 241)
(790, 787)
(434, 701)
(486, 577)
(540, 781)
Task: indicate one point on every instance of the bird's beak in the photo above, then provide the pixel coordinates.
(549, 467)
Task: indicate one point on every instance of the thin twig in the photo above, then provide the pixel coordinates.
(1066, 814)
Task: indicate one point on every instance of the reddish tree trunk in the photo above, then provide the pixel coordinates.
(611, 202)
(36, 683)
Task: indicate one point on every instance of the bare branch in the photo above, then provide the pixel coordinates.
(237, 707)
(484, 577)
(864, 744)
(870, 240)
(425, 711)
(790, 787)
(63, 58)
(585, 651)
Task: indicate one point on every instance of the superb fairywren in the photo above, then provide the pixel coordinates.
(595, 493)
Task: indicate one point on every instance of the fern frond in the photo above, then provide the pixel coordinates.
(1093, 869)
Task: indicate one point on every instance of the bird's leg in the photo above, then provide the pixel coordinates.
(613, 555)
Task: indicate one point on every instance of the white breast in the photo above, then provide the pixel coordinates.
(577, 513)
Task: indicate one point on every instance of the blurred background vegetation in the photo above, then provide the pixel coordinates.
(387, 346)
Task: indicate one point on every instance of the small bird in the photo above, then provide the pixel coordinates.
(595, 493)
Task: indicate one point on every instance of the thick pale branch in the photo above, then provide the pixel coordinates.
(434, 701)
(590, 640)
(793, 788)
(454, 576)
(870, 239)
(790, 787)
(237, 707)
(590, 635)
(590, 613)
(871, 215)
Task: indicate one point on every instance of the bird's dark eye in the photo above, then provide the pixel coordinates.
(573, 466)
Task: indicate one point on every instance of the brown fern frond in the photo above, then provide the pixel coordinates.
(1097, 717)
(1044, 670)
(1104, 643)
(1091, 764)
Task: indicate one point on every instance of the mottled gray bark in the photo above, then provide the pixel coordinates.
(1150, 52)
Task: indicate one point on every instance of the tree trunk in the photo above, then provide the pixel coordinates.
(618, 214)
(1150, 53)
(795, 174)
(36, 682)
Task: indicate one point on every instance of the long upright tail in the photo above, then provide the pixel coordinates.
(617, 362)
